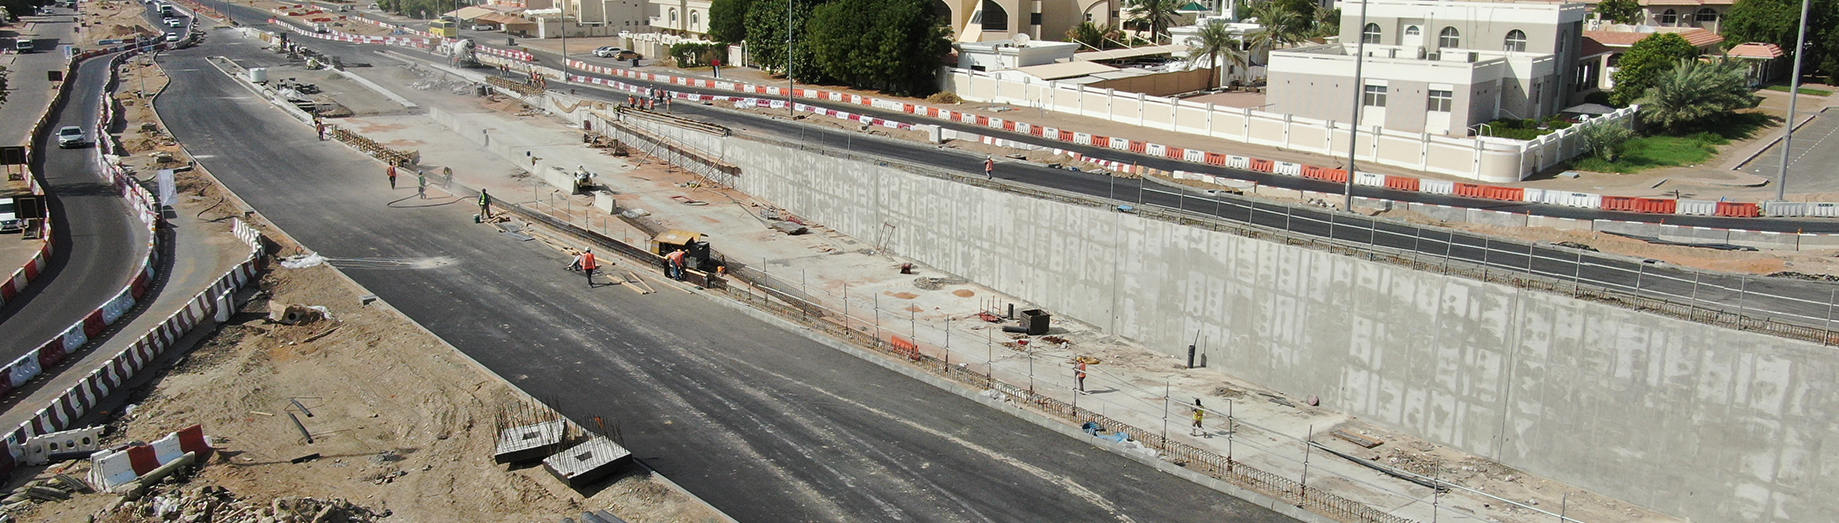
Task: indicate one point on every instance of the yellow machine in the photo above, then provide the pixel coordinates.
(444, 28)
(674, 240)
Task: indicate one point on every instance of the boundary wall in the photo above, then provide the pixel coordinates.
(1694, 420)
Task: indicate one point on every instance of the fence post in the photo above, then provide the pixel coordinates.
(1826, 337)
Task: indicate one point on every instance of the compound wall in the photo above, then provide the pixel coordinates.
(1701, 422)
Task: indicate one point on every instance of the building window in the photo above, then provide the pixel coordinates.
(1707, 15)
(1375, 96)
(994, 17)
(1449, 38)
(1440, 100)
(1370, 35)
(1413, 31)
(695, 21)
(1516, 42)
(1669, 17)
(1034, 18)
(673, 17)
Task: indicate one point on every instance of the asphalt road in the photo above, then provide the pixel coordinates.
(98, 245)
(1795, 301)
(761, 422)
(1812, 158)
(28, 90)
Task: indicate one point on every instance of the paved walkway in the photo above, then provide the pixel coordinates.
(1132, 383)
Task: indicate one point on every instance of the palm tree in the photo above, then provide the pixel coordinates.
(1216, 45)
(1604, 139)
(1282, 27)
(1089, 34)
(1695, 92)
(1155, 15)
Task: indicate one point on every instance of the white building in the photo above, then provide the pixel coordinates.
(1255, 58)
(1436, 67)
(681, 17)
(1013, 54)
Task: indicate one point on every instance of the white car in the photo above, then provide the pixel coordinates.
(172, 37)
(484, 27)
(9, 216)
(174, 22)
(71, 136)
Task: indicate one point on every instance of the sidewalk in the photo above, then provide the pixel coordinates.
(863, 290)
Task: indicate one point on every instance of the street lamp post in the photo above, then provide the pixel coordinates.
(1794, 94)
(1353, 130)
(791, 85)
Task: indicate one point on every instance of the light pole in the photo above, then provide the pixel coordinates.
(1794, 94)
(564, 25)
(791, 85)
(1353, 131)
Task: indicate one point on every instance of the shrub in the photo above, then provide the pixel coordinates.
(944, 97)
(695, 54)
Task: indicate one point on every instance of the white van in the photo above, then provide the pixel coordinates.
(24, 45)
(9, 216)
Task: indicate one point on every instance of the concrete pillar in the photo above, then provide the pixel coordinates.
(1286, 131)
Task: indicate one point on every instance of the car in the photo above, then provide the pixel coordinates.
(615, 53)
(24, 45)
(484, 27)
(172, 37)
(174, 22)
(9, 216)
(71, 136)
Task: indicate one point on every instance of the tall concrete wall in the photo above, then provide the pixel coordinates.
(1692, 420)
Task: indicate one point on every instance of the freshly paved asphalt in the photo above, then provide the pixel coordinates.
(98, 245)
(1795, 301)
(761, 422)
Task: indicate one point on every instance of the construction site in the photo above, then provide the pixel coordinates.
(791, 321)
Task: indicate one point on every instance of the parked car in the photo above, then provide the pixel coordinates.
(174, 22)
(9, 216)
(484, 27)
(172, 36)
(615, 53)
(24, 45)
(71, 136)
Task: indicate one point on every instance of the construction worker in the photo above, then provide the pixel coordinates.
(421, 185)
(587, 264)
(321, 128)
(391, 172)
(989, 167)
(675, 259)
(485, 205)
(1079, 375)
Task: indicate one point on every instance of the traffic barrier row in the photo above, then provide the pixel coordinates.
(1395, 182)
(111, 469)
(418, 43)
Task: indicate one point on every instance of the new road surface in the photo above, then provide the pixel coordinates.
(764, 423)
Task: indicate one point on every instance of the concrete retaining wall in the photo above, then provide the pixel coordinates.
(1689, 419)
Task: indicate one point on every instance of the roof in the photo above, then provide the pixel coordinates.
(1597, 109)
(1688, 2)
(1591, 47)
(1757, 50)
(1194, 6)
(1119, 54)
(1695, 36)
(470, 12)
(503, 19)
(1061, 70)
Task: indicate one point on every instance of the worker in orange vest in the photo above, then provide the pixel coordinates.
(675, 259)
(587, 264)
(989, 167)
(1079, 375)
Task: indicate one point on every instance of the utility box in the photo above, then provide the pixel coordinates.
(1035, 320)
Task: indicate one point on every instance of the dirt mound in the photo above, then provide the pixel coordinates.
(123, 32)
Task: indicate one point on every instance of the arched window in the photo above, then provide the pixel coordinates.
(673, 16)
(1669, 17)
(1707, 15)
(1516, 41)
(995, 18)
(1449, 38)
(695, 21)
(1413, 31)
(1370, 35)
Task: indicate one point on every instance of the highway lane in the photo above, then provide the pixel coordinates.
(98, 245)
(1795, 301)
(761, 422)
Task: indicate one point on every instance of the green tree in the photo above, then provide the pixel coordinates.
(1088, 34)
(1327, 22)
(1282, 26)
(1605, 139)
(3, 89)
(1618, 11)
(840, 43)
(1776, 22)
(1216, 46)
(1646, 61)
(766, 32)
(728, 21)
(1154, 16)
(910, 43)
(1694, 93)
